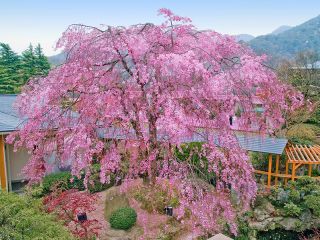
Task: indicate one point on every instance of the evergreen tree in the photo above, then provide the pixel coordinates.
(16, 70)
(28, 63)
(42, 63)
(10, 75)
(34, 63)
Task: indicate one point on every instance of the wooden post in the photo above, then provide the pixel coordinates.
(310, 170)
(293, 171)
(3, 175)
(277, 169)
(287, 171)
(269, 170)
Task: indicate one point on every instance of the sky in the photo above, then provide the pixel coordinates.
(42, 21)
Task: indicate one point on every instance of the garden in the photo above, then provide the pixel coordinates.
(146, 130)
(60, 207)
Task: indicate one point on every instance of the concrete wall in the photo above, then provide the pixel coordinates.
(17, 160)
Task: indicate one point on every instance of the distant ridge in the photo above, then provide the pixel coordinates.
(280, 29)
(58, 59)
(287, 43)
(244, 37)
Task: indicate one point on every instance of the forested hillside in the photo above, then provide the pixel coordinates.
(16, 70)
(288, 43)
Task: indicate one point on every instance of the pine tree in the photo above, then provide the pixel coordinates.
(28, 59)
(10, 74)
(42, 63)
(16, 70)
(34, 63)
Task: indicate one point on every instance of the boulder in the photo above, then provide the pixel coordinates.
(260, 213)
(290, 223)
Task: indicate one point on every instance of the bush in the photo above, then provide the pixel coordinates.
(291, 210)
(62, 180)
(313, 202)
(66, 205)
(21, 218)
(123, 218)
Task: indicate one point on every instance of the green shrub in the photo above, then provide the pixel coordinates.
(291, 210)
(123, 218)
(21, 218)
(294, 196)
(34, 191)
(313, 202)
(61, 180)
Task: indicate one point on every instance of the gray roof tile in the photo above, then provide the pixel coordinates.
(9, 119)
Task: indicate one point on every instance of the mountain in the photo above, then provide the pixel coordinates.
(288, 43)
(244, 37)
(280, 29)
(57, 59)
(283, 42)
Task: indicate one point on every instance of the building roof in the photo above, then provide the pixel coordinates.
(259, 143)
(9, 120)
(249, 141)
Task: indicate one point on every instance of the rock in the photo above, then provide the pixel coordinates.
(261, 226)
(269, 208)
(290, 223)
(270, 223)
(260, 214)
(306, 216)
(220, 237)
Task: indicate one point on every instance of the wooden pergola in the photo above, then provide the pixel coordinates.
(296, 156)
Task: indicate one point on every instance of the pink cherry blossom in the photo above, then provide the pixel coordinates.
(146, 89)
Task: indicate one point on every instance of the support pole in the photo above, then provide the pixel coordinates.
(269, 170)
(287, 171)
(293, 171)
(277, 169)
(3, 173)
(310, 170)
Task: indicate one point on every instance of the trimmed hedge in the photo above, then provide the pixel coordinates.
(63, 180)
(123, 218)
(21, 218)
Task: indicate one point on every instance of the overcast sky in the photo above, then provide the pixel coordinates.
(42, 21)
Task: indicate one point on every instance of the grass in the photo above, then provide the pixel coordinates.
(114, 201)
